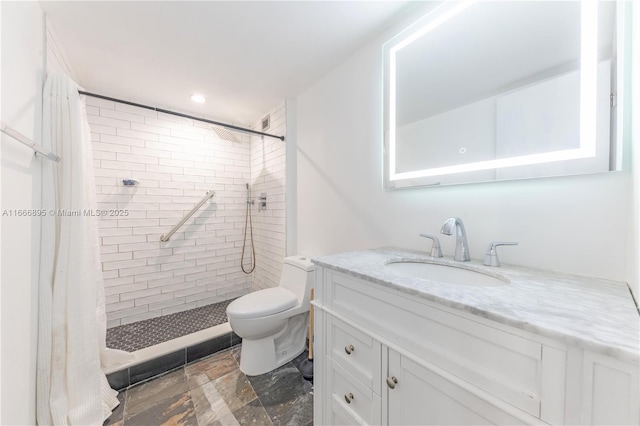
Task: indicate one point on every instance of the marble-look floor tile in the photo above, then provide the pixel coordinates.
(274, 379)
(290, 403)
(211, 409)
(297, 412)
(214, 392)
(235, 389)
(142, 396)
(252, 413)
(175, 410)
(118, 413)
(236, 351)
(210, 368)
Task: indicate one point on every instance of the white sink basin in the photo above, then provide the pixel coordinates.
(444, 274)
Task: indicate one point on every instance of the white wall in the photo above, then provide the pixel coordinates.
(571, 224)
(21, 80)
(176, 160)
(57, 59)
(633, 251)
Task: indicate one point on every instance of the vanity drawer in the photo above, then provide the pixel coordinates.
(356, 352)
(340, 416)
(501, 363)
(357, 400)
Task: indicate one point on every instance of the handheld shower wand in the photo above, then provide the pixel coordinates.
(248, 224)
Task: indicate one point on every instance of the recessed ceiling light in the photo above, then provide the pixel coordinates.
(198, 98)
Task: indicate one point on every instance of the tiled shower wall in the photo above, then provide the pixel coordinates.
(268, 162)
(176, 161)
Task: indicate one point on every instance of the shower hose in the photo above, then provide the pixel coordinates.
(248, 224)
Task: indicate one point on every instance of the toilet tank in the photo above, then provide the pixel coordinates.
(297, 277)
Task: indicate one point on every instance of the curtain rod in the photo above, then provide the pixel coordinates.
(204, 120)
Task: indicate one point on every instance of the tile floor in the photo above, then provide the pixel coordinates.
(141, 334)
(213, 391)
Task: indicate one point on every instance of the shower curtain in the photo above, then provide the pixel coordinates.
(71, 387)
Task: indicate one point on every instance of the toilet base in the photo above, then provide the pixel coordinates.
(260, 356)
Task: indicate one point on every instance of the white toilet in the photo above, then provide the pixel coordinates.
(273, 322)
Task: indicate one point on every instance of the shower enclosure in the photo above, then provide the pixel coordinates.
(177, 160)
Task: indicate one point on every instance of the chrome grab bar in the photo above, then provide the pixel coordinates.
(165, 237)
(26, 141)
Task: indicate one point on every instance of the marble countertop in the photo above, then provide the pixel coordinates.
(592, 313)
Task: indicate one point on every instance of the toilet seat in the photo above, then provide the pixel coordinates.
(262, 303)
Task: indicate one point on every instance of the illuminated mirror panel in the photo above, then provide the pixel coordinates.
(492, 90)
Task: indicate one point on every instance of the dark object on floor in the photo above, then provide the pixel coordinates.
(306, 369)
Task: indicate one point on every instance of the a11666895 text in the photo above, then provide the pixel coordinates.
(64, 212)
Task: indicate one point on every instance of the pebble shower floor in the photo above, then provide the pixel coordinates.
(142, 334)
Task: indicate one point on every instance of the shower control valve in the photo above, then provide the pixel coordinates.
(262, 202)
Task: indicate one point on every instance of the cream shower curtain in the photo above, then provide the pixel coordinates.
(71, 387)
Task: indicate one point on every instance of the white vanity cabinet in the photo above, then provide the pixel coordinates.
(383, 356)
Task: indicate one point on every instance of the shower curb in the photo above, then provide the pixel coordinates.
(134, 374)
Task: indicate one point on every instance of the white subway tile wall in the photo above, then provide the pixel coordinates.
(177, 161)
(268, 161)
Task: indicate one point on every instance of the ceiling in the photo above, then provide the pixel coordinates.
(244, 57)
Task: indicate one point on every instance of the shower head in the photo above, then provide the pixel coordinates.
(225, 134)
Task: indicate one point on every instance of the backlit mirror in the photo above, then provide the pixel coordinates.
(493, 90)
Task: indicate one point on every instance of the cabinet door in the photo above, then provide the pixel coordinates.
(610, 391)
(424, 396)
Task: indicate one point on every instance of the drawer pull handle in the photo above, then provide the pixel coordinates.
(348, 397)
(392, 382)
(349, 349)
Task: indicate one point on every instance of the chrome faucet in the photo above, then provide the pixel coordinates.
(491, 257)
(462, 247)
(436, 251)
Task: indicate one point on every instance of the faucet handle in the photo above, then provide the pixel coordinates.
(491, 257)
(436, 251)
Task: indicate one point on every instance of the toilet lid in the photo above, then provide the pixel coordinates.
(262, 303)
